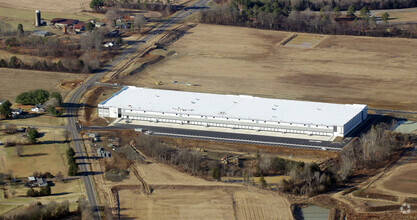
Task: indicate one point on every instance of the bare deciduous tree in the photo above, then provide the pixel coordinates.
(19, 150)
(139, 21)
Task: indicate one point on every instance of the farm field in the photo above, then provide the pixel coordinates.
(178, 195)
(15, 81)
(56, 6)
(341, 69)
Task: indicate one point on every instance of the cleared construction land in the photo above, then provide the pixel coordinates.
(340, 69)
(15, 81)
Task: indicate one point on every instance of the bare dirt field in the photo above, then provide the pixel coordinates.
(341, 69)
(72, 6)
(401, 180)
(15, 81)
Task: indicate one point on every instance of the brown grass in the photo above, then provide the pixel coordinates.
(180, 196)
(38, 157)
(379, 72)
(404, 16)
(15, 81)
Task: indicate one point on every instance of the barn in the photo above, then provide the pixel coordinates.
(233, 111)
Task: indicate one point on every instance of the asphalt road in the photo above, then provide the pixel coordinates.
(230, 137)
(73, 102)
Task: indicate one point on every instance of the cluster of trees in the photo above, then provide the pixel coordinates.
(275, 165)
(372, 150)
(306, 179)
(42, 175)
(52, 210)
(168, 7)
(77, 54)
(73, 166)
(282, 17)
(115, 12)
(67, 65)
(187, 160)
(97, 4)
(33, 97)
(316, 5)
(309, 180)
(43, 46)
(44, 191)
(5, 109)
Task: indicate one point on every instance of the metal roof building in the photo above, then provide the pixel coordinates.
(233, 111)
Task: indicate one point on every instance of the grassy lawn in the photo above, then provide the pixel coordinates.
(43, 157)
(43, 120)
(404, 16)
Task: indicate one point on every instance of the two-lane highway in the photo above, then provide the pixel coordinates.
(73, 102)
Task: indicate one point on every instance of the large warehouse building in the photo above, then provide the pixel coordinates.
(233, 111)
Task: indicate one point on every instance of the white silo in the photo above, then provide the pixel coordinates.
(38, 18)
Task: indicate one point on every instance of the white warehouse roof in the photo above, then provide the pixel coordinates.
(233, 106)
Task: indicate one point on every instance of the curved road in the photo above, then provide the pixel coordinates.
(73, 102)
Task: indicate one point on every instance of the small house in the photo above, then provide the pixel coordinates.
(80, 26)
(109, 44)
(31, 179)
(17, 112)
(99, 24)
(38, 108)
(41, 182)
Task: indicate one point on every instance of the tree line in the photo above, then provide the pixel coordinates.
(72, 66)
(168, 7)
(52, 210)
(73, 166)
(373, 149)
(282, 17)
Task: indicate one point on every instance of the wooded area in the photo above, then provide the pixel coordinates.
(290, 16)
